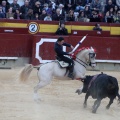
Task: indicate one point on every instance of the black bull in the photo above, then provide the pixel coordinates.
(99, 87)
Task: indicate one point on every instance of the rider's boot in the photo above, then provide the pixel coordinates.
(71, 74)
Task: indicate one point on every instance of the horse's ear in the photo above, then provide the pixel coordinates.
(92, 48)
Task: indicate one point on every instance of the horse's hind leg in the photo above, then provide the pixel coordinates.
(37, 87)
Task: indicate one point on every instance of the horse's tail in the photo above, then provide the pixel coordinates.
(25, 72)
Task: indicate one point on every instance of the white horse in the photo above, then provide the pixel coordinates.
(47, 71)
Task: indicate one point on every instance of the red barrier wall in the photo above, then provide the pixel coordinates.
(107, 48)
(15, 45)
(18, 42)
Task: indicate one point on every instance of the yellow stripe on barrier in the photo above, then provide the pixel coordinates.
(15, 25)
(115, 31)
(76, 27)
(52, 28)
(48, 28)
(105, 28)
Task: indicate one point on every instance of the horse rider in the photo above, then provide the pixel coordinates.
(60, 54)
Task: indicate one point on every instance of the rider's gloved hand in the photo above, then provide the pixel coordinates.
(72, 55)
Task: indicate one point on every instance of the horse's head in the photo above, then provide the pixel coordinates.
(90, 56)
(87, 56)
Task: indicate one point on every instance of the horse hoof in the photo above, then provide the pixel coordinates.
(37, 98)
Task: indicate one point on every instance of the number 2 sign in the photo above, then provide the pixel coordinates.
(33, 27)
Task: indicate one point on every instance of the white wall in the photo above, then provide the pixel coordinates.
(20, 2)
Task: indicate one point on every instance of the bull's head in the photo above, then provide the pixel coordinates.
(86, 82)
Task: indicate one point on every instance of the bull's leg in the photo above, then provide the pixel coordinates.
(110, 102)
(96, 105)
(86, 97)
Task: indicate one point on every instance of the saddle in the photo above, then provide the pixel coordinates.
(62, 63)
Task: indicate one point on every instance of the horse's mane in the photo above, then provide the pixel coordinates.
(77, 51)
(80, 49)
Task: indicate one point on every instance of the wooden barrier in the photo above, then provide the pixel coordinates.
(16, 39)
(107, 47)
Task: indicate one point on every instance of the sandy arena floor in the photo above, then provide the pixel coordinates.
(59, 100)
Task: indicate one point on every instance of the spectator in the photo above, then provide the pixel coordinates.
(48, 10)
(97, 28)
(10, 14)
(62, 30)
(62, 11)
(79, 7)
(48, 18)
(2, 15)
(17, 15)
(37, 17)
(117, 17)
(116, 8)
(57, 16)
(32, 3)
(15, 5)
(81, 17)
(118, 3)
(95, 17)
(5, 7)
(109, 5)
(103, 3)
(43, 15)
(30, 15)
(24, 9)
(87, 12)
(108, 18)
(37, 9)
(96, 6)
(111, 11)
(69, 5)
(70, 16)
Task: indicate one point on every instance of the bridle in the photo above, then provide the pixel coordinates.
(91, 55)
(81, 62)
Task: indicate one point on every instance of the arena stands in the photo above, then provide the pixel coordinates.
(68, 10)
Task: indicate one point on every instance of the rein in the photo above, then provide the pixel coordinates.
(83, 63)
